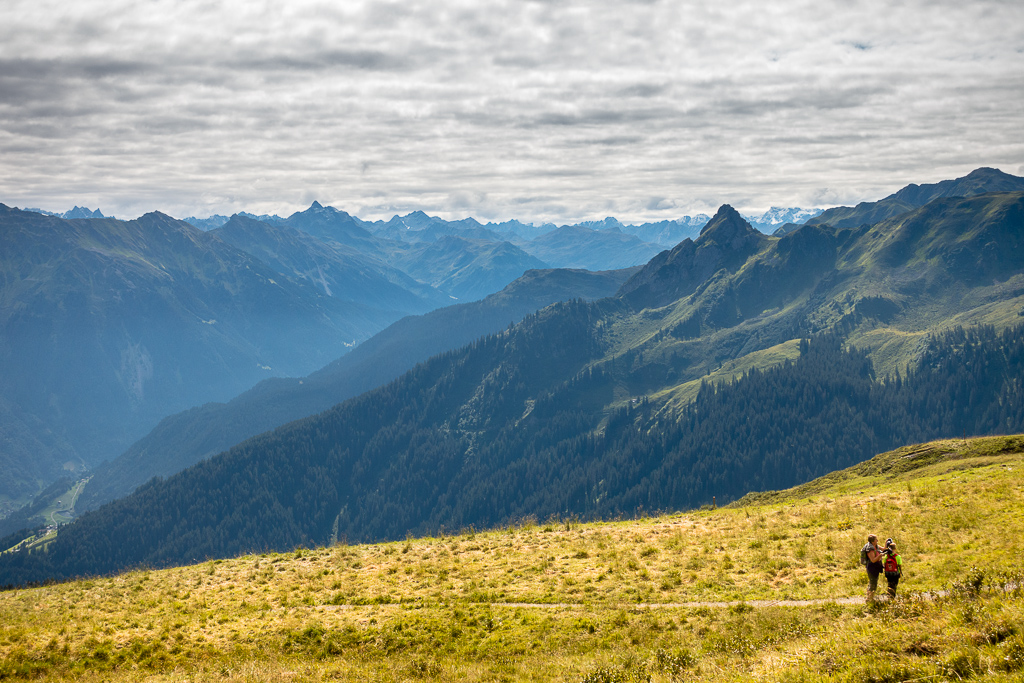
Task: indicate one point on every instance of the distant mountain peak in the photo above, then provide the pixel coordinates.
(725, 242)
(159, 215)
(609, 223)
(725, 212)
(726, 226)
(77, 212)
(778, 215)
(316, 205)
(83, 212)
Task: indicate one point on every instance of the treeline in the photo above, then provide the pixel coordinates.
(494, 432)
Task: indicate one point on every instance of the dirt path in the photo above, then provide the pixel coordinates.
(699, 603)
(731, 603)
(667, 605)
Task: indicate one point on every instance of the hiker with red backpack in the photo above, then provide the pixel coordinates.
(893, 566)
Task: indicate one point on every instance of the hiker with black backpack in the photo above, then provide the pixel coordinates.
(871, 558)
(893, 567)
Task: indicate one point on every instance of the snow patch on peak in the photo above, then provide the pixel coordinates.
(777, 216)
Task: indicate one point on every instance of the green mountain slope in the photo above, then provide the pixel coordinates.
(978, 181)
(182, 440)
(577, 407)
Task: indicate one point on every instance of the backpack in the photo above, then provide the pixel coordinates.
(891, 566)
(864, 556)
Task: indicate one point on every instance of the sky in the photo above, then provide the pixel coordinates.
(538, 111)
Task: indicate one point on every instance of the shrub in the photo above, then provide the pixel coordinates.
(673, 662)
(1012, 652)
(969, 587)
(630, 672)
(960, 664)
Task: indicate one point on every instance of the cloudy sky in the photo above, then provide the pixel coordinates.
(542, 111)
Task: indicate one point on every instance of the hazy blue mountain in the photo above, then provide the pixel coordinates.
(465, 268)
(579, 247)
(31, 453)
(215, 221)
(522, 231)
(573, 409)
(82, 212)
(460, 258)
(669, 233)
(607, 223)
(264, 217)
(333, 225)
(186, 438)
(978, 181)
(107, 326)
(77, 212)
(418, 227)
(209, 223)
(335, 269)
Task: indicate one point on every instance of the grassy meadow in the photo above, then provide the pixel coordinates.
(768, 588)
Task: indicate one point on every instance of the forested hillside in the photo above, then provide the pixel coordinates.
(434, 450)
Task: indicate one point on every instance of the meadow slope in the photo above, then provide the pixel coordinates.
(613, 601)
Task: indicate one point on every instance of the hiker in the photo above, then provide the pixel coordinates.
(871, 558)
(893, 567)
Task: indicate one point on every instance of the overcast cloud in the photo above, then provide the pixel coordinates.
(542, 111)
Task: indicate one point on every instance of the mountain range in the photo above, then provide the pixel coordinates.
(420, 227)
(729, 302)
(733, 362)
(107, 326)
(166, 322)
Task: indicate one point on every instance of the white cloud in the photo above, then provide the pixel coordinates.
(538, 111)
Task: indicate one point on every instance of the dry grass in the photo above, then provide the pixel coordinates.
(568, 601)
